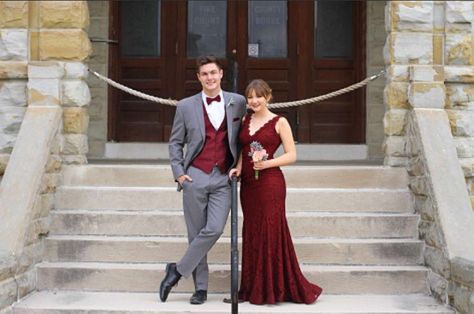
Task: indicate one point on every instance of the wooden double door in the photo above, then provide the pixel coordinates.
(301, 48)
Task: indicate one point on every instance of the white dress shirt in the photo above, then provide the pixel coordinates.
(215, 110)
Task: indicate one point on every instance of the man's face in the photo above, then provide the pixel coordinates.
(210, 77)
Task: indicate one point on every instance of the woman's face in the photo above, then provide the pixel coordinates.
(256, 103)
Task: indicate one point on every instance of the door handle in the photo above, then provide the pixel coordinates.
(103, 40)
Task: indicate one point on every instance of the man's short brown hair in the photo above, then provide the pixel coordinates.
(203, 60)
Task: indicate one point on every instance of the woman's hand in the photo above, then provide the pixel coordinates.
(261, 165)
(234, 172)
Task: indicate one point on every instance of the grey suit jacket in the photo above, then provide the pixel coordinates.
(188, 132)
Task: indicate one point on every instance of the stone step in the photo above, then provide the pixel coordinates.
(67, 302)
(166, 198)
(296, 176)
(163, 249)
(171, 223)
(147, 277)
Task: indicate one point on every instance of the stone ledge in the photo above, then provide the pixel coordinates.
(462, 271)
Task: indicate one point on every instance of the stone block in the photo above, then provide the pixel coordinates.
(14, 14)
(30, 256)
(459, 12)
(75, 144)
(459, 94)
(76, 70)
(431, 234)
(395, 121)
(396, 95)
(10, 120)
(8, 292)
(425, 207)
(437, 260)
(416, 166)
(64, 14)
(459, 49)
(13, 93)
(45, 70)
(75, 93)
(394, 146)
(462, 271)
(74, 159)
(462, 298)
(49, 183)
(13, 69)
(7, 141)
(26, 283)
(393, 161)
(467, 165)
(75, 120)
(43, 92)
(36, 229)
(409, 48)
(464, 146)
(410, 16)
(398, 73)
(64, 45)
(420, 185)
(54, 164)
(438, 286)
(426, 95)
(3, 163)
(426, 73)
(13, 44)
(7, 266)
(57, 147)
(44, 203)
(459, 74)
(461, 122)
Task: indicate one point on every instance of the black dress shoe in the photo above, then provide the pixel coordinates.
(199, 297)
(171, 279)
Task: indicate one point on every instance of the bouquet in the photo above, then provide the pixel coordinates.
(258, 153)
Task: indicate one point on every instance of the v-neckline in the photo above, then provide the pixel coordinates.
(261, 127)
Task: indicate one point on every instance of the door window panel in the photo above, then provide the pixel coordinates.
(333, 29)
(140, 28)
(267, 29)
(207, 28)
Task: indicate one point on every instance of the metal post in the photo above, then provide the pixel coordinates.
(234, 254)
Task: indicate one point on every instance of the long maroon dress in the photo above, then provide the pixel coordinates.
(270, 269)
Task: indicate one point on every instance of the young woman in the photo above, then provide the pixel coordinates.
(270, 269)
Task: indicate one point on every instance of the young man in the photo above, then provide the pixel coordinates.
(208, 125)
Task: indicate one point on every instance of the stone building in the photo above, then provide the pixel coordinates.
(55, 117)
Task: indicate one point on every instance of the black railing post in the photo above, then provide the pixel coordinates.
(234, 254)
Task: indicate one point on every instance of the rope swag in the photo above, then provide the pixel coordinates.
(171, 102)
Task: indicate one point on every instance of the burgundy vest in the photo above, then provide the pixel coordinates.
(216, 150)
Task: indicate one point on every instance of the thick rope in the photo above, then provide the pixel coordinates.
(172, 102)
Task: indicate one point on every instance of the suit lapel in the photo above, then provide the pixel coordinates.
(228, 113)
(199, 115)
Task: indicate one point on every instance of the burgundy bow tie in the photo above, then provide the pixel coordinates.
(209, 100)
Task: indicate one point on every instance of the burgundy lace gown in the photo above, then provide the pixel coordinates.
(270, 269)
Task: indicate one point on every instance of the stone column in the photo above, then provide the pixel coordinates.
(58, 38)
(13, 73)
(411, 42)
(459, 71)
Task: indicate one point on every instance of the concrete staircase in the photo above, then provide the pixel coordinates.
(114, 227)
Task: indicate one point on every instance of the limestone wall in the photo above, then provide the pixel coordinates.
(459, 81)
(436, 36)
(430, 57)
(44, 120)
(13, 65)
